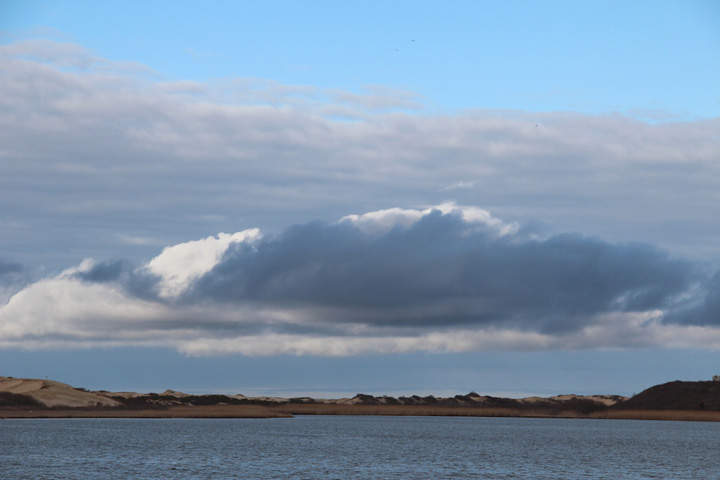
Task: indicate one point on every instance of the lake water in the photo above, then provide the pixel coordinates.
(323, 447)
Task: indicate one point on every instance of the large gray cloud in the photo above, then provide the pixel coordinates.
(447, 278)
(443, 272)
(110, 160)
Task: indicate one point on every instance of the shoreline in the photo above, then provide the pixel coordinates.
(289, 411)
(181, 411)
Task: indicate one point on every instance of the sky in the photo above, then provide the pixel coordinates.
(324, 198)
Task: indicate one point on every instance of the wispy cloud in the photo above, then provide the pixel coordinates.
(459, 185)
(112, 148)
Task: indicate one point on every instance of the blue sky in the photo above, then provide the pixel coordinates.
(386, 197)
(595, 57)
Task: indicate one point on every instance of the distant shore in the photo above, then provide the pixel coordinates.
(180, 411)
(43, 398)
(287, 411)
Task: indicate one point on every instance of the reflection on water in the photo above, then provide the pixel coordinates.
(316, 447)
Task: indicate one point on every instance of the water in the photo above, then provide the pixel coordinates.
(318, 447)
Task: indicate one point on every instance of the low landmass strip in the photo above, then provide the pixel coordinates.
(36, 398)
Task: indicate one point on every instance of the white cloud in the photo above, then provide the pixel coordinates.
(59, 309)
(180, 264)
(338, 346)
(381, 221)
(137, 240)
(459, 185)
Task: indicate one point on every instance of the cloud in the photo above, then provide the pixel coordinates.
(108, 160)
(444, 268)
(702, 308)
(13, 277)
(180, 264)
(51, 52)
(459, 185)
(7, 268)
(380, 98)
(447, 278)
(118, 152)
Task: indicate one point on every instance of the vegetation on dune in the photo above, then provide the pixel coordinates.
(677, 395)
(9, 399)
(155, 400)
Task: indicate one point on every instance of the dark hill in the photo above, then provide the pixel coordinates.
(676, 395)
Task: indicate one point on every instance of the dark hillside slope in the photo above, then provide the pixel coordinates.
(9, 399)
(675, 395)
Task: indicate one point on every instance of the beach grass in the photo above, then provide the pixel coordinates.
(289, 410)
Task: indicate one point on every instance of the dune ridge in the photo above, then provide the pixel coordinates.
(26, 397)
(50, 393)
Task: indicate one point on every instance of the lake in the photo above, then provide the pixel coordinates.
(360, 447)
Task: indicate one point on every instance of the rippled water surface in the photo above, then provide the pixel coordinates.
(318, 447)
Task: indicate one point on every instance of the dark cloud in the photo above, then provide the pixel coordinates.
(13, 277)
(102, 272)
(135, 281)
(709, 313)
(10, 268)
(703, 308)
(14, 274)
(441, 272)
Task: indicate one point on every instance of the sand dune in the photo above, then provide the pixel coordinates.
(54, 394)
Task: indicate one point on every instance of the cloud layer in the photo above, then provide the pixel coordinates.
(447, 278)
(106, 157)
